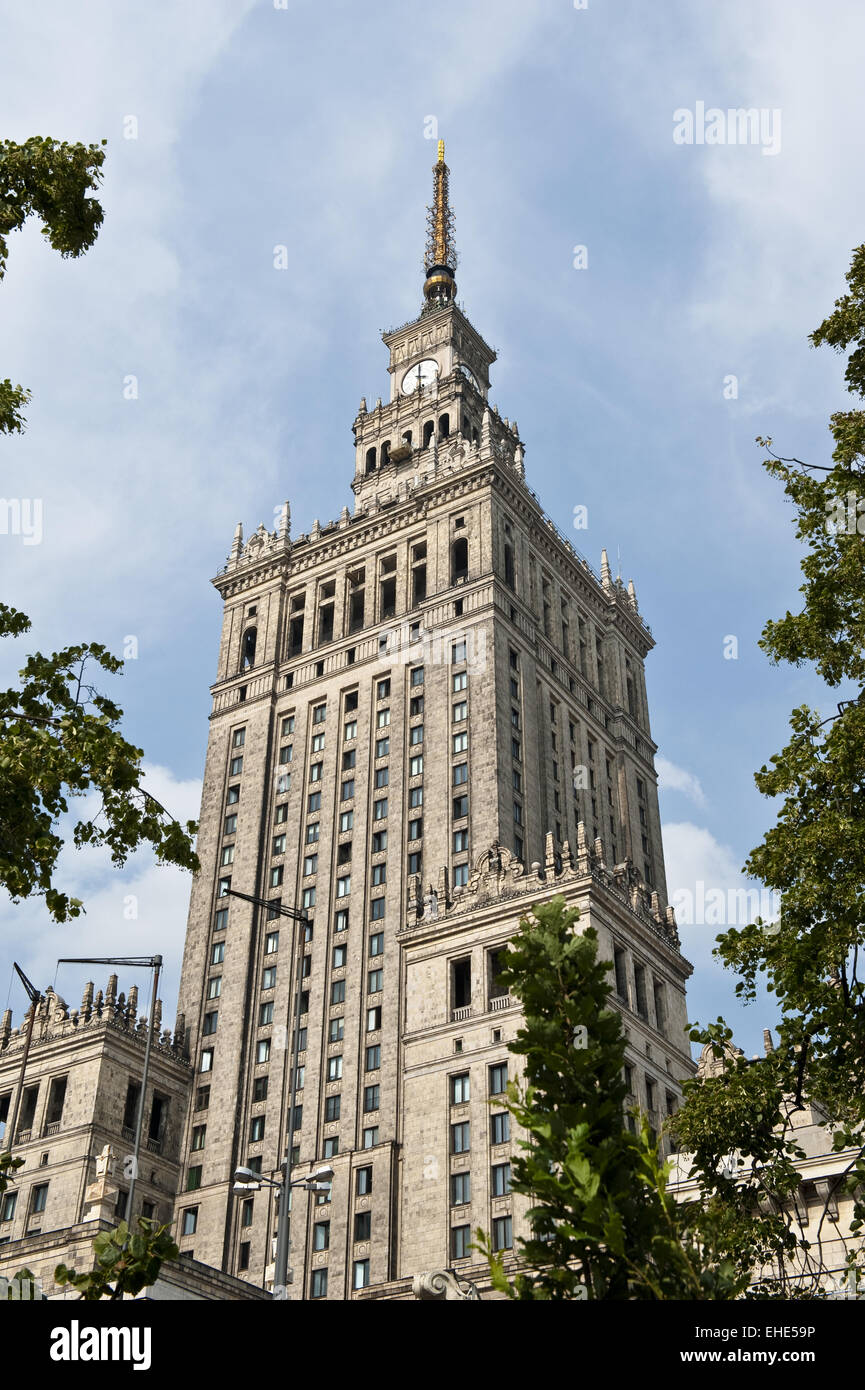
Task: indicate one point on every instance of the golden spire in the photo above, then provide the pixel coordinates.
(440, 261)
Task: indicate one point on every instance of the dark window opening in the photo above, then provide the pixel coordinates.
(444, 426)
(428, 432)
(459, 560)
(388, 598)
(461, 974)
(295, 636)
(370, 460)
(385, 452)
(249, 640)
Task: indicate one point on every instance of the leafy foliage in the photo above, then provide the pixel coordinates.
(125, 1263)
(50, 180)
(59, 739)
(814, 855)
(604, 1224)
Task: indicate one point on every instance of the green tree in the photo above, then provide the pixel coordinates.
(814, 855)
(49, 180)
(125, 1263)
(59, 739)
(603, 1223)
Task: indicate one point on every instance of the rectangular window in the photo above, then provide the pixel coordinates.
(276, 876)
(189, 1221)
(415, 829)
(382, 719)
(460, 1242)
(315, 772)
(233, 795)
(223, 887)
(460, 711)
(265, 1014)
(321, 1235)
(319, 713)
(332, 1106)
(334, 1068)
(374, 982)
(318, 1285)
(262, 1051)
(460, 1089)
(217, 953)
(220, 920)
(376, 941)
(370, 1137)
(461, 875)
(498, 1079)
(415, 797)
(308, 897)
(235, 767)
(193, 1179)
(350, 730)
(371, 1097)
(460, 743)
(310, 864)
(288, 726)
(501, 1179)
(461, 807)
(382, 747)
(238, 738)
(373, 1058)
(214, 987)
(337, 992)
(340, 921)
(339, 955)
(379, 809)
(373, 1019)
(336, 1030)
(259, 1089)
(210, 1022)
(206, 1059)
(379, 841)
(417, 675)
(460, 774)
(271, 943)
(230, 826)
(500, 1127)
(363, 1182)
(503, 1236)
(382, 777)
(415, 767)
(461, 1189)
(360, 1269)
(286, 754)
(279, 844)
(460, 1137)
(415, 862)
(202, 1098)
(331, 1146)
(379, 873)
(461, 841)
(362, 1226)
(313, 803)
(343, 886)
(256, 1129)
(416, 734)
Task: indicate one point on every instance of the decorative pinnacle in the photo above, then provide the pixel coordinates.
(440, 259)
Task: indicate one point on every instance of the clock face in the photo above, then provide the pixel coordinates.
(422, 374)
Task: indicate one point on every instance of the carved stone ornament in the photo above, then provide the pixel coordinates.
(443, 1285)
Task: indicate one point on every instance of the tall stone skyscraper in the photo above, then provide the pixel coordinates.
(428, 714)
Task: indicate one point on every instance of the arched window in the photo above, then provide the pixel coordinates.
(249, 638)
(428, 432)
(406, 439)
(385, 452)
(370, 460)
(444, 426)
(459, 559)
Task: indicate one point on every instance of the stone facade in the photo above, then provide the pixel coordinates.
(428, 714)
(75, 1127)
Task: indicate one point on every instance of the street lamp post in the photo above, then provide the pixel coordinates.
(245, 1180)
(282, 1233)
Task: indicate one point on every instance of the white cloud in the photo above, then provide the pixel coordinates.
(677, 779)
(139, 910)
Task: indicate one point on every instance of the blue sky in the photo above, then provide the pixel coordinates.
(305, 127)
